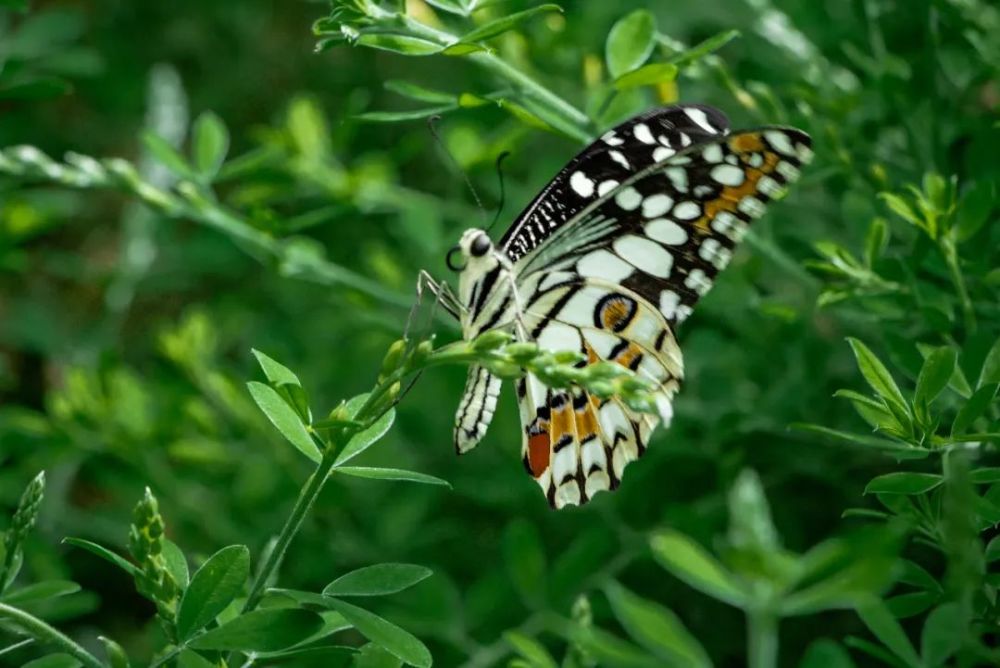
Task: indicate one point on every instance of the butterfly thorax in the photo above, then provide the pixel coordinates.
(485, 285)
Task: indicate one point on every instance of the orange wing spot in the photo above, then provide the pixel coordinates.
(586, 420)
(562, 421)
(746, 143)
(539, 452)
(614, 313)
(730, 197)
(629, 355)
(591, 354)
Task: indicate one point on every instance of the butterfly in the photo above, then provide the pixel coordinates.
(608, 260)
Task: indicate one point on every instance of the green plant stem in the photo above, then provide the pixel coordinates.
(307, 497)
(44, 633)
(762, 639)
(951, 259)
(579, 125)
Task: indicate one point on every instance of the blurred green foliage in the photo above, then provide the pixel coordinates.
(183, 183)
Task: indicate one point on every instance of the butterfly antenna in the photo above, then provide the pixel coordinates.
(503, 193)
(432, 126)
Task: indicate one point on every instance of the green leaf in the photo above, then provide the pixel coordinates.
(690, 562)
(284, 418)
(647, 75)
(104, 553)
(176, 562)
(323, 656)
(409, 46)
(826, 654)
(213, 587)
(401, 116)
(985, 476)
(167, 155)
(990, 373)
(898, 450)
(419, 93)
(656, 628)
(611, 651)
(366, 438)
(210, 145)
(899, 206)
(117, 658)
(377, 580)
(944, 631)
(40, 590)
(385, 634)
(501, 25)
(264, 630)
(630, 42)
(974, 408)
(876, 240)
(877, 375)
(530, 649)
(276, 373)
(702, 49)
(59, 660)
(904, 483)
(524, 559)
(935, 374)
(884, 626)
(390, 474)
(373, 656)
(992, 552)
(974, 210)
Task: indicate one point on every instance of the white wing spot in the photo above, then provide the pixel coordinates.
(728, 175)
(685, 139)
(712, 153)
(612, 139)
(605, 265)
(700, 119)
(687, 211)
(752, 206)
(619, 157)
(678, 178)
(606, 186)
(656, 205)
(629, 199)
(729, 225)
(712, 251)
(643, 134)
(780, 142)
(581, 185)
(770, 187)
(661, 153)
(669, 301)
(666, 231)
(788, 170)
(645, 255)
(698, 281)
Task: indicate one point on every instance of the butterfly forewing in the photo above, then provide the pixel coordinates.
(605, 164)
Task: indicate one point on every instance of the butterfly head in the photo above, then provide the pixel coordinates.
(474, 250)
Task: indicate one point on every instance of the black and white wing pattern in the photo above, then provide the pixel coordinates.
(613, 255)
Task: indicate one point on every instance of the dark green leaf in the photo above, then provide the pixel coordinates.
(503, 24)
(419, 93)
(54, 661)
(990, 373)
(213, 587)
(935, 374)
(409, 46)
(689, 561)
(974, 408)
(385, 634)
(284, 418)
(985, 475)
(264, 630)
(877, 375)
(993, 550)
(210, 144)
(399, 116)
(530, 649)
(104, 553)
(277, 374)
(647, 75)
(117, 658)
(524, 557)
(826, 654)
(974, 210)
(377, 580)
(630, 42)
(40, 590)
(884, 626)
(912, 604)
(167, 155)
(876, 240)
(944, 632)
(702, 49)
(390, 474)
(176, 562)
(904, 483)
(368, 437)
(656, 628)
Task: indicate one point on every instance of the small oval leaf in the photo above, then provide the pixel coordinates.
(377, 580)
(385, 634)
(284, 418)
(266, 630)
(904, 483)
(630, 42)
(219, 580)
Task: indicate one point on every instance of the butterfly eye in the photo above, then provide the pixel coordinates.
(450, 259)
(480, 246)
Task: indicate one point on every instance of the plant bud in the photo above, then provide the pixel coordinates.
(491, 340)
